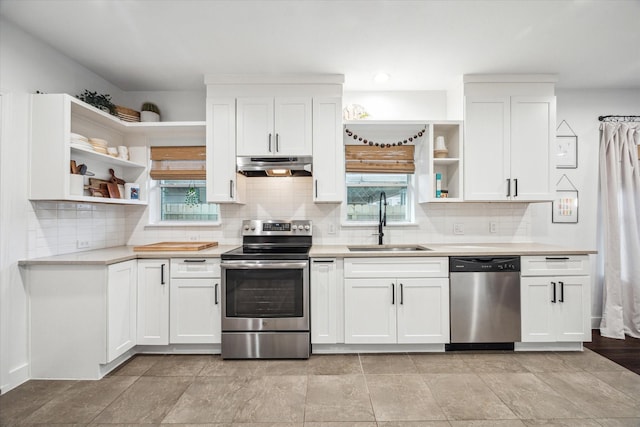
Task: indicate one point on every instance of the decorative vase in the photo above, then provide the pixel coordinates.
(149, 116)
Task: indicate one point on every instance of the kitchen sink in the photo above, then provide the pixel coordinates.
(388, 248)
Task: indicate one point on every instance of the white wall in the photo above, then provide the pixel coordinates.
(401, 105)
(26, 65)
(580, 108)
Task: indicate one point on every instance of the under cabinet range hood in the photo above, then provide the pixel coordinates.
(274, 166)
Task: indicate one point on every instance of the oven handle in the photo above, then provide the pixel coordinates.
(270, 265)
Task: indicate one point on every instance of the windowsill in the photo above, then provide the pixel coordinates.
(375, 224)
(184, 224)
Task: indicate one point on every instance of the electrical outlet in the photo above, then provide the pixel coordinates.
(193, 238)
(458, 228)
(332, 229)
(82, 244)
(493, 227)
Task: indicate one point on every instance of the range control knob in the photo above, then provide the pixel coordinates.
(246, 228)
(253, 227)
(307, 228)
(294, 227)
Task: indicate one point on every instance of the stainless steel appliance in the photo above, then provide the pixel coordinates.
(274, 166)
(265, 292)
(484, 302)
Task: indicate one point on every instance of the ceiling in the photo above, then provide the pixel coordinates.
(423, 45)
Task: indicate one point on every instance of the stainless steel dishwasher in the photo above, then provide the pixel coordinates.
(484, 302)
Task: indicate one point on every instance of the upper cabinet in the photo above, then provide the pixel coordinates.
(54, 117)
(328, 152)
(509, 133)
(279, 127)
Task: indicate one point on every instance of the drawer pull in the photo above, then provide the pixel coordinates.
(556, 258)
(323, 261)
(195, 260)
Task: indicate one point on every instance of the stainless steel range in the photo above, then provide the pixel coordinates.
(265, 292)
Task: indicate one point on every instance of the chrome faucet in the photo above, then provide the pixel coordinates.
(382, 216)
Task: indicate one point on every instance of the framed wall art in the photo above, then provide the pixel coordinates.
(565, 207)
(567, 152)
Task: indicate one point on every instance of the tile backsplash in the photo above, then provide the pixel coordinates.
(64, 227)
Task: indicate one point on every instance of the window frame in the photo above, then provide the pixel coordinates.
(155, 209)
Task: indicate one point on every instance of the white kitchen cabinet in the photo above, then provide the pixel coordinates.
(195, 305)
(556, 303)
(396, 300)
(153, 302)
(81, 318)
(55, 116)
(121, 308)
(279, 127)
(508, 144)
(224, 185)
(325, 300)
(328, 151)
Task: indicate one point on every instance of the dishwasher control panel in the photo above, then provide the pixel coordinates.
(484, 264)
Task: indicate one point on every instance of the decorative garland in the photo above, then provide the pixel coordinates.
(384, 145)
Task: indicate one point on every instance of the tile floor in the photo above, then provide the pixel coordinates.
(452, 389)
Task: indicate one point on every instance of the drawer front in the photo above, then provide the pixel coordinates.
(195, 267)
(555, 265)
(396, 267)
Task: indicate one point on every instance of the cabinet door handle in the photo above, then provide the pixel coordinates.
(515, 181)
(231, 189)
(162, 274)
(393, 293)
(194, 260)
(316, 187)
(401, 294)
(508, 187)
(554, 292)
(269, 142)
(277, 143)
(561, 292)
(215, 291)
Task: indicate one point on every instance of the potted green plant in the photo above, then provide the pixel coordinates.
(101, 102)
(149, 112)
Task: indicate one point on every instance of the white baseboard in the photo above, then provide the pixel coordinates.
(17, 376)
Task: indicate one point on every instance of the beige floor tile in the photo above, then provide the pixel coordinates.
(438, 363)
(466, 397)
(178, 365)
(414, 424)
(619, 422)
(338, 398)
(589, 361)
(282, 367)
(387, 364)
(544, 362)
(334, 364)
(626, 381)
(137, 365)
(529, 397)
(81, 403)
(559, 422)
(487, 423)
(277, 398)
(216, 367)
(22, 401)
(593, 396)
(210, 400)
(402, 398)
(147, 401)
(486, 363)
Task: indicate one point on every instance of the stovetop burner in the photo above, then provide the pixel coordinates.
(273, 240)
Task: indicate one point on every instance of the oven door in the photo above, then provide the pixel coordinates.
(265, 295)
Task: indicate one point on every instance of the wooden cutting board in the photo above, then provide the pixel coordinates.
(175, 246)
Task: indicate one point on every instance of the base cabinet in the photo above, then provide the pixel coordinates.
(121, 304)
(195, 308)
(81, 318)
(555, 307)
(325, 300)
(153, 302)
(401, 301)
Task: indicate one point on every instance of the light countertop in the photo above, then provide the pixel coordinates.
(124, 253)
(453, 249)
